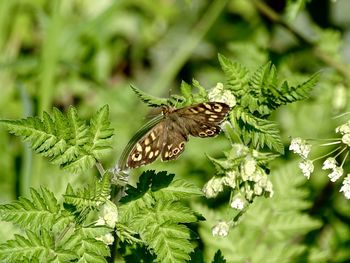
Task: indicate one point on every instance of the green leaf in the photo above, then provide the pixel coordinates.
(256, 131)
(236, 75)
(178, 189)
(148, 99)
(144, 184)
(219, 258)
(65, 139)
(90, 197)
(34, 247)
(100, 132)
(42, 210)
(152, 212)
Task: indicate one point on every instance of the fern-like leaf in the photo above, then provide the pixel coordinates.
(218, 257)
(152, 212)
(148, 99)
(91, 197)
(33, 248)
(65, 139)
(42, 210)
(236, 75)
(255, 131)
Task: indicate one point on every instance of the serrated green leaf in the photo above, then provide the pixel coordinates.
(148, 99)
(256, 131)
(90, 197)
(43, 210)
(100, 132)
(178, 189)
(65, 139)
(33, 248)
(219, 258)
(236, 75)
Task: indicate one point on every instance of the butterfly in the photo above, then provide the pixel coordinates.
(168, 137)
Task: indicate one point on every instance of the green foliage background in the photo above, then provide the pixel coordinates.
(87, 53)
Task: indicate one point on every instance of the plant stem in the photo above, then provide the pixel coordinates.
(100, 168)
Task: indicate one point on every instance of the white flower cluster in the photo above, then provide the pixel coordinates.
(220, 94)
(221, 229)
(238, 202)
(108, 239)
(300, 147)
(346, 187)
(109, 215)
(307, 167)
(213, 187)
(344, 130)
(331, 164)
(250, 171)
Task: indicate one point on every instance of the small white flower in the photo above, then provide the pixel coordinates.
(219, 94)
(248, 169)
(230, 179)
(213, 187)
(221, 229)
(109, 215)
(329, 163)
(343, 129)
(108, 239)
(100, 222)
(300, 147)
(346, 187)
(269, 188)
(346, 139)
(336, 174)
(238, 202)
(307, 167)
(248, 192)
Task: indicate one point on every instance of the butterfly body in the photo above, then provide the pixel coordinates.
(168, 137)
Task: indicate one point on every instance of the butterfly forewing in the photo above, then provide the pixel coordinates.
(204, 119)
(148, 148)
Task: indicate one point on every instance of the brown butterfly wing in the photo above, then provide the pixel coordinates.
(203, 119)
(175, 140)
(148, 148)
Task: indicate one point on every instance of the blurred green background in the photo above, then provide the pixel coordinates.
(87, 53)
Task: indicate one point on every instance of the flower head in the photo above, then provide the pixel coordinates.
(213, 187)
(336, 174)
(219, 94)
(108, 239)
(343, 129)
(248, 169)
(230, 179)
(346, 139)
(109, 215)
(307, 167)
(346, 187)
(221, 229)
(238, 202)
(329, 163)
(300, 147)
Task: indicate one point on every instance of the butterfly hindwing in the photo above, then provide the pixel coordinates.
(148, 148)
(174, 143)
(204, 119)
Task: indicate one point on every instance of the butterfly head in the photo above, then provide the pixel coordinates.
(166, 109)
